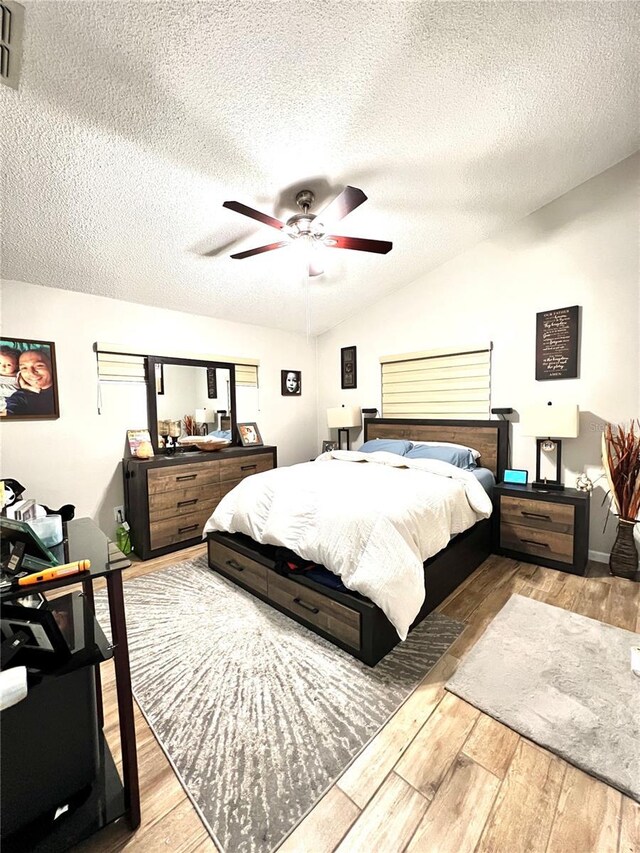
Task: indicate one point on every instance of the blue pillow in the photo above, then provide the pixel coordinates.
(461, 457)
(390, 445)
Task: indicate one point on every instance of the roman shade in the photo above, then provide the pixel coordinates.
(451, 384)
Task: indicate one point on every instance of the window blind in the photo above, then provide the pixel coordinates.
(114, 367)
(127, 364)
(450, 384)
(247, 374)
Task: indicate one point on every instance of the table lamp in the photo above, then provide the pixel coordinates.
(343, 418)
(548, 423)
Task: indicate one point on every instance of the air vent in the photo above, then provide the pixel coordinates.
(11, 25)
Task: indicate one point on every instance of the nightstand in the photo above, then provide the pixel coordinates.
(548, 528)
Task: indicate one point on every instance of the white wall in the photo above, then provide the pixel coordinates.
(76, 459)
(580, 250)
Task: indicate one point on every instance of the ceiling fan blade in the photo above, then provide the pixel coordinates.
(380, 247)
(240, 255)
(255, 214)
(348, 200)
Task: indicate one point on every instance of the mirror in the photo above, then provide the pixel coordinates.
(188, 397)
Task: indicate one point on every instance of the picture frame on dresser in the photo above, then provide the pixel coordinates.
(250, 435)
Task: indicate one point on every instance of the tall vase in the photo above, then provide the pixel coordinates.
(623, 561)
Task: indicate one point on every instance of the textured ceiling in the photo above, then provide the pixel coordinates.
(135, 121)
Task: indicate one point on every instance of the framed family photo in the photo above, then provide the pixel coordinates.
(348, 367)
(250, 435)
(28, 380)
(291, 383)
(330, 445)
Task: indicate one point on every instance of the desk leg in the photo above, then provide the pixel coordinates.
(125, 699)
(87, 590)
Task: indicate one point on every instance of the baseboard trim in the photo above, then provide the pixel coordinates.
(599, 556)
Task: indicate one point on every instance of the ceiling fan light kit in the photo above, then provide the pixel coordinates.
(311, 227)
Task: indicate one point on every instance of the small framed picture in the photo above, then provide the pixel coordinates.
(212, 383)
(291, 383)
(329, 445)
(250, 435)
(348, 367)
(28, 381)
(159, 378)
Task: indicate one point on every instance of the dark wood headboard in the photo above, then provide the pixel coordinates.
(491, 438)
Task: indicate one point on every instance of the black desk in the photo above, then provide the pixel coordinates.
(84, 540)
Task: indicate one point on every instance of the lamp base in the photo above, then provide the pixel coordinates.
(340, 433)
(547, 486)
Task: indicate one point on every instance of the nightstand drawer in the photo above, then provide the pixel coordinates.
(537, 542)
(537, 514)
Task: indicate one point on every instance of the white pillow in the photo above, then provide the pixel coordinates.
(475, 453)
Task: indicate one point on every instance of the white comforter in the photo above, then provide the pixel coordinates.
(372, 518)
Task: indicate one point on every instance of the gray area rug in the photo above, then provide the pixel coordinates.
(563, 681)
(257, 714)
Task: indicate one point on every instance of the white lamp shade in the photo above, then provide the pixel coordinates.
(343, 417)
(205, 416)
(551, 420)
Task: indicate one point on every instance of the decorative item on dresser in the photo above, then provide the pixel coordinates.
(548, 528)
(168, 500)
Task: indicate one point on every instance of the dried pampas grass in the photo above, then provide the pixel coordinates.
(621, 460)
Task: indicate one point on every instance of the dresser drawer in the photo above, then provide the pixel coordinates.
(238, 567)
(325, 613)
(177, 529)
(227, 485)
(239, 467)
(183, 501)
(537, 542)
(182, 476)
(538, 514)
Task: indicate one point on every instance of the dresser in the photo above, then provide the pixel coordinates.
(547, 528)
(169, 499)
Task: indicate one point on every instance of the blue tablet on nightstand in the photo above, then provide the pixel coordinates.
(516, 475)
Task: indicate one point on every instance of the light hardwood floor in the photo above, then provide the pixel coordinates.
(440, 777)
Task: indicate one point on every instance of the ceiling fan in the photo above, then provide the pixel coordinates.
(311, 227)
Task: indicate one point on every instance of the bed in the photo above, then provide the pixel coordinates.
(345, 617)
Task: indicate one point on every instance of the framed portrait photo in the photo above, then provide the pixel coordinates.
(348, 367)
(250, 435)
(28, 380)
(291, 383)
(330, 445)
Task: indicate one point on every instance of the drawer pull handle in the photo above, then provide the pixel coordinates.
(187, 503)
(190, 527)
(235, 565)
(533, 542)
(306, 606)
(247, 467)
(536, 515)
(187, 477)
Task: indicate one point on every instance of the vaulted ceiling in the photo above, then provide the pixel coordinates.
(134, 121)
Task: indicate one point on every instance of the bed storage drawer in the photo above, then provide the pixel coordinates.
(238, 567)
(332, 617)
(239, 467)
(182, 476)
